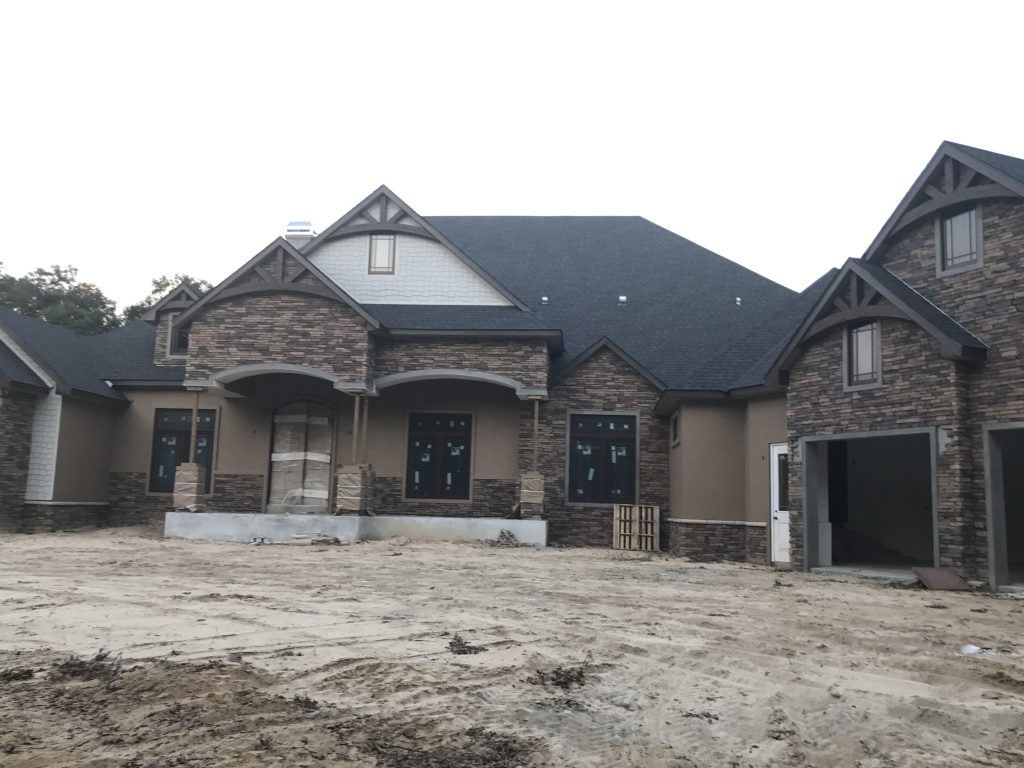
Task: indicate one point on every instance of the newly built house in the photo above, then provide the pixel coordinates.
(552, 367)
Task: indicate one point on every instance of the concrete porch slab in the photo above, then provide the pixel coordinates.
(244, 527)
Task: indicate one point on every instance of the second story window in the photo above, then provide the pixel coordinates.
(863, 355)
(959, 241)
(382, 254)
(179, 339)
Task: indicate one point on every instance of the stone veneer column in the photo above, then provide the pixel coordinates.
(189, 483)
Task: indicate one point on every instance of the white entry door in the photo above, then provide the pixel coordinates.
(780, 502)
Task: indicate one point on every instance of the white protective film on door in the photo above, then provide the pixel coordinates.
(780, 502)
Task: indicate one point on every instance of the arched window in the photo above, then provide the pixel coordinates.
(300, 459)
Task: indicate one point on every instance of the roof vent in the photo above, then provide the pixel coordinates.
(739, 302)
(544, 300)
(298, 233)
(622, 299)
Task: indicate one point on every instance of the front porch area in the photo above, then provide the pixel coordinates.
(456, 444)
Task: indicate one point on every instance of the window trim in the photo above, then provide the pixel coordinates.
(569, 413)
(848, 386)
(393, 239)
(940, 268)
(408, 413)
(215, 433)
(675, 435)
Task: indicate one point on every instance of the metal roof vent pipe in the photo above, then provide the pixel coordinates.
(622, 300)
(544, 300)
(298, 233)
(739, 301)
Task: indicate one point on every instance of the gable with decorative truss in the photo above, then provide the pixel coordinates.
(424, 268)
(278, 268)
(952, 178)
(863, 291)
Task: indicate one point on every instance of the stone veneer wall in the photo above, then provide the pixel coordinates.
(131, 505)
(490, 498)
(16, 411)
(236, 493)
(279, 328)
(989, 301)
(525, 360)
(603, 383)
(45, 518)
(719, 541)
(919, 389)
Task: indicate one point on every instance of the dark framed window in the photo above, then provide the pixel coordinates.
(382, 254)
(438, 465)
(179, 339)
(602, 458)
(863, 355)
(172, 445)
(959, 238)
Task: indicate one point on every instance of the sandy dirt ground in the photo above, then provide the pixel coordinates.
(235, 655)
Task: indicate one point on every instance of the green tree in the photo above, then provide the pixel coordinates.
(161, 286)
(56, 296)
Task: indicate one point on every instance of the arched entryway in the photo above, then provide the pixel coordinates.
(301, 457)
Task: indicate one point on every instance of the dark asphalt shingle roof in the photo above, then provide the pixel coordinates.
(14, 370)
(681, 306)
(126, 354)
(773, 337)
(923, 307)
(61, 351)
(1011, 166)
(456, 318)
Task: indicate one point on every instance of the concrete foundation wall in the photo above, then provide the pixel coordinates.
(214, 526)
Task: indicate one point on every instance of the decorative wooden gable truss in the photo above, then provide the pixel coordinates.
(278, 268)
(861, 292)
(384, 212)
(953, 177)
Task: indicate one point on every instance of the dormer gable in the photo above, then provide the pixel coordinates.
(171, 344)
(383, 252)
(956, 176)
(862, 292)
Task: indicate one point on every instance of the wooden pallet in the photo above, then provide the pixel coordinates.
(635, 526)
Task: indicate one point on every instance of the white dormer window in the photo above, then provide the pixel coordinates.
(382, 254)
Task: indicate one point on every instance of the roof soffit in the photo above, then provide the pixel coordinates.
(952, 177)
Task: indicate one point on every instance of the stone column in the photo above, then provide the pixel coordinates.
(189, 484)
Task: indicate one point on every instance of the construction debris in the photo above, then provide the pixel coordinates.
(942, 578)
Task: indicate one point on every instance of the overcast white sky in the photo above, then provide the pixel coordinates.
(143, 138)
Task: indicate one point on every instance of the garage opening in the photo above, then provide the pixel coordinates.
(1006, 497)
(874, 506)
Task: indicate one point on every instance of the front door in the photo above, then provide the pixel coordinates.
(780, 502)
(300, 459)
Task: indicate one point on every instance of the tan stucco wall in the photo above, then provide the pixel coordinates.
(495, 425)
(83, 451)
(720, 468)
(766, 424)
(707, 480)
(241, 442)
